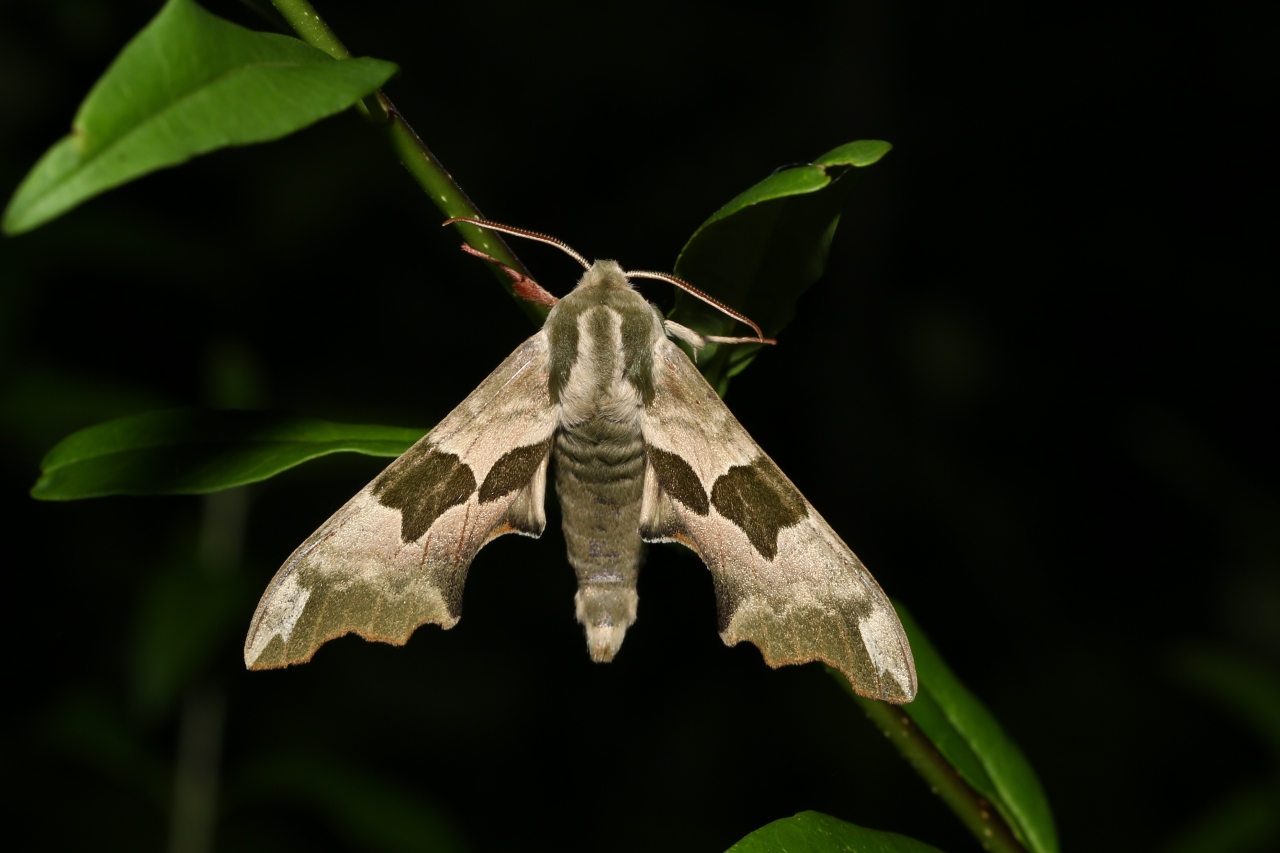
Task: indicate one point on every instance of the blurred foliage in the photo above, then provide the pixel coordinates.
(812, 832)
(1247, 818)
(367, 812)
(187, 613)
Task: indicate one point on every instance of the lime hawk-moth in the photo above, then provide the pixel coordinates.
(644, 451)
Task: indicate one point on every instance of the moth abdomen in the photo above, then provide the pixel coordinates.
(600, 484)
(600, 456)
(606, 606)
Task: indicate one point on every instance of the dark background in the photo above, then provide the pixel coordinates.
(1034, 392)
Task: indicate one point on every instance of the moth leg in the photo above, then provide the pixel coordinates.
(525, 287)
(697, 340)
(684, 333)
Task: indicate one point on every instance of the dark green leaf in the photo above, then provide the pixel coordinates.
(972, 741)
(189, 451)
(189, 83)
(93, 730)
(1247, 690)
(814, 832)
(1245, 820)
(763, 249)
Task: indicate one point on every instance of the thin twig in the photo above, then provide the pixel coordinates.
(977, 815)
(413, 152)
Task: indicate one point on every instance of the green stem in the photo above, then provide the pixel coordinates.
(412, 151)
(977, 815)
(311, 28)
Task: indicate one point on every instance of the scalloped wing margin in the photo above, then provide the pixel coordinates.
(784, 580)
(396, 555)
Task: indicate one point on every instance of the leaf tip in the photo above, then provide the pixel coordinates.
(863, 152)
(15, 221)
(42, 491)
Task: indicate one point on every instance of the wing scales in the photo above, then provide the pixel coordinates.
(784, 580)
(396, 555)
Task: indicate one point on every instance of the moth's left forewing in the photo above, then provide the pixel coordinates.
(396, 555)
(784, 580)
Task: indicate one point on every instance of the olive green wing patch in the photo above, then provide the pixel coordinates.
(760, 502)
(784, 580)
(396, 555)
(426, 483)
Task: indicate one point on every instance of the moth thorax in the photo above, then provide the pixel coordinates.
(606, 610)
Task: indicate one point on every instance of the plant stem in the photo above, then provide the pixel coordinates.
(413, 152)
(193, 815)
(978, 816)
(311, 28)
(197, 768)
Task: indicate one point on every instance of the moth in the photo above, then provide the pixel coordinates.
(644, 451)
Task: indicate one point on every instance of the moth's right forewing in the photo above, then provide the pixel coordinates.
(396, 555)
(784, 580)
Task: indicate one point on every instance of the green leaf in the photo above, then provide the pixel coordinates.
(189, 83)
(969, 737)
(814, 832)
(762, 250)
(189, 451)
(864, 152)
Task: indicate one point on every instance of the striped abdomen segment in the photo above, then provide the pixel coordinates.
(599, 478)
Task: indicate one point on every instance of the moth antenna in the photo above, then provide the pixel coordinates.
(521, 232)
(525, 287)
(710, 300)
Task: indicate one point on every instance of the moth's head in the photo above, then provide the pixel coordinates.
(604, 275)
